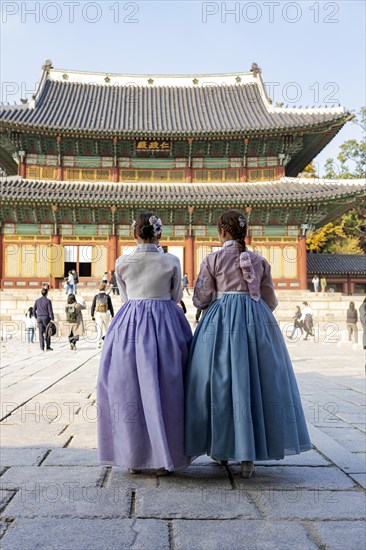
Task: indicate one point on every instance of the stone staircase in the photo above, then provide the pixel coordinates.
(328, 308)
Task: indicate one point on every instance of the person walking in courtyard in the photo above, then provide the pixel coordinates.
(323, 284)
(185, 282)
(43, 313)
(74, 318)
(101, 308)
(241, 398)
(30, 326)
(145, 353)
(315, 282)
(113, 283)
(362, 312)
(297, 322)
(352, 319)
(70, 288)
(75, 275)
(105, 278)
(306, 320)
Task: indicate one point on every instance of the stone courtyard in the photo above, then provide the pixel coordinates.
(54, 494)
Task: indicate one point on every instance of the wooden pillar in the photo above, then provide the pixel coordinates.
(301, 264)
(55, 239)
(59, 173)
(115, 174)
(280, 172)
(188, 175)
(189, 259)
(112, 252)
(22, 169)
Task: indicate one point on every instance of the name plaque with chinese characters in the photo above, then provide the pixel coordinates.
(153, 145)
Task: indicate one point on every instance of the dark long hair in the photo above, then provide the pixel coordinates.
(234, 222)
(144, 229)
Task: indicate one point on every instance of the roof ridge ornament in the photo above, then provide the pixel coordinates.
(47, 66)
(256, 70)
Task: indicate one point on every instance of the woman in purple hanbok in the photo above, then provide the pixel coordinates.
(145, 352)
(242, 401)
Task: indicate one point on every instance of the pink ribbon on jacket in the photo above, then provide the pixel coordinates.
(249, 274)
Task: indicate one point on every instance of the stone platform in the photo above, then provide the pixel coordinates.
(54, 495)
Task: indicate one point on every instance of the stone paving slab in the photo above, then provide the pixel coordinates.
(310, 458)
(86, 534)
(350, 438)
(341, 535)
(294, 478)
(69, 501)
(22, 456)
(240, 535)
(5, 496)
(122, 478)
(310, 505)
(72, 457)
(28, 477)
(37, 439)
(206, 503)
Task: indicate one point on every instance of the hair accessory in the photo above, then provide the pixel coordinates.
(241, 221)
(157, 225)
(133, 223)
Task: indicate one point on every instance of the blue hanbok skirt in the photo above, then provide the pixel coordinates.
(140, 401)
(241, 397)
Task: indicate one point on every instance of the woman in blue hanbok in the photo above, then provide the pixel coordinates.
(242, 400)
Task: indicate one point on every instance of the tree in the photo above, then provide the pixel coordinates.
(309, 171)
(347, 234)
(351, 160)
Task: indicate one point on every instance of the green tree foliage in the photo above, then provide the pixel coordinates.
(347, 234)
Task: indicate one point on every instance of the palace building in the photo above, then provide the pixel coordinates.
(90, 151)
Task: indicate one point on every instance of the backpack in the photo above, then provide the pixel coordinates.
(71, 313)
(101, 305)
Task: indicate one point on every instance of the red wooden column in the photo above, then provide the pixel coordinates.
(301, 264)
(59, 168)
(112, 252)
(189, 259)
(2, 260)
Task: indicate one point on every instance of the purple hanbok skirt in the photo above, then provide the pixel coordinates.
(140, 387)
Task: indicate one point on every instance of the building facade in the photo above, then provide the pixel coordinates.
(90, 151)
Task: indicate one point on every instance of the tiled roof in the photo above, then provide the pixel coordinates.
(290, 191)
(336, 264)
(162, 110)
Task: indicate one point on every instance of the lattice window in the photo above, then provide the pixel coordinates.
(276, 262)
(99, 261)
(28, 260)
(290, 254)
(42, 260)
(12, 260)
(87, 174)
(266, 174)
(41, 172)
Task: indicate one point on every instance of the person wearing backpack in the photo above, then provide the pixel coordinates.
(74, 318)
(101, 306)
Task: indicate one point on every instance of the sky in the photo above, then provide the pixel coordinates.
(312, 53)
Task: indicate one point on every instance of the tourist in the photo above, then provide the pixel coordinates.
(30, 326)
(113, 283)
(315, 282)
(145, 352)
(352, 319)
(74, 318)
(185, 282)
(306, 320)
(70, 289)
(105, 278)
(362, 312)
(75, 275)
(323, 284)
(242, 402)
(43, 313)
(297, 322)
(101, 308)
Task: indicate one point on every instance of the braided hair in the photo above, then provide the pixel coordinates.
(234, 223)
